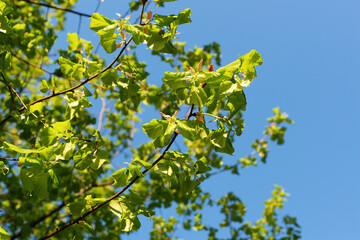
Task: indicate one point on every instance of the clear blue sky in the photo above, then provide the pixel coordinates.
(311, 70)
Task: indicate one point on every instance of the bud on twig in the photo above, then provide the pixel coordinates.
(211, 68)
(149, 16)
(119, 45)
(200, 65)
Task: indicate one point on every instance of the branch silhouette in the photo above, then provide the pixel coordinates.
(93, 209)
(72, 88)
(57, 8)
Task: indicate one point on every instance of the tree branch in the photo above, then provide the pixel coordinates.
(75, 87)
(57, 8)
(11, 94)
(49, 72)
(93, 209)
(17, 95)
(8, 159)
(31, 64)
(63, 204)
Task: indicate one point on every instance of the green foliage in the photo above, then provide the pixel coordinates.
(59, 157)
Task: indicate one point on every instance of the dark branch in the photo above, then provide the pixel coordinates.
(93, 209)
(72, 88)
(17, 95)
(8, 159)
(11, 94)
(60, 206)
(57, 8)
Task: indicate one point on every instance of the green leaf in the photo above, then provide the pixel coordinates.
(155, 128)
(130, 224)
(109, 77)
(197, 96)
(166, 20)
(36, 107)
(248, 63)
(44, 86)
(41, 186)
(184, 16)
(121, 177)
(165, 138)
(70, 69)
(34, 182)
(3, 234)
(65, 151)
(202, 165)
(137, 31)
(99, 22)
(74, 42)
(227, 87)
(76, 207)
(53, 177)
(187, 129)
(88, 48)
(62, 126)
(5, 60)
(26, 177)
(228, 71)
(48, 136)
(87, 93)
(143, 163)
(101, 157)
(236, 102)
(82, 159)
(30, 161)
(10, 148)
(176, 80)
(118, 207)
(228, 147)
(218, 138)
(108, 38)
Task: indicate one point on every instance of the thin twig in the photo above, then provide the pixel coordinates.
(11, 93)
(93, 209)
(51, 73)
(62, 204)
(75, 87)
(97, 6)
(8, 159)
(57, 8)
(79, 25)
(17, 95)
(31, 64)
(238, 162)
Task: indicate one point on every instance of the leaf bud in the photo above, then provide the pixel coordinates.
(211, 68)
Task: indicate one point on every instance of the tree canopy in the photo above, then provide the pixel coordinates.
(58, 177)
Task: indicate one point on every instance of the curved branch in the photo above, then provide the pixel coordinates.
(82, 83)
(17, 95)
(57, 8)
(11, 94)
(62, 204)
(72, 88)
(31, 64)
(93, 209)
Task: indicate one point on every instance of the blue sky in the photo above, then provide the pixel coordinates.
(311, 70)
